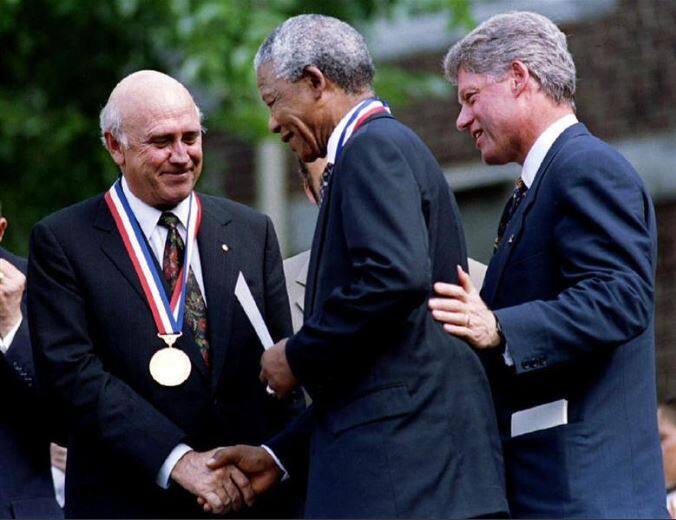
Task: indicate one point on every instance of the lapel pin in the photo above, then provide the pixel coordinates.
(225, 247)
(511, 239)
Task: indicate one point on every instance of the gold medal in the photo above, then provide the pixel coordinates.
(170, 366)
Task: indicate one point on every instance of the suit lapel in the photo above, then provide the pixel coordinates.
(320, 229)
(315, 254)
(301, 282)
(113, 248)
(219, 275)
(515, 226)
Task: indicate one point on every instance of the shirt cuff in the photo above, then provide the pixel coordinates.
(163, 475)
(285, 475)
(6, 342)
(507, 357)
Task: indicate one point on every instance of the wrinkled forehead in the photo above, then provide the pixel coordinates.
(164, 110)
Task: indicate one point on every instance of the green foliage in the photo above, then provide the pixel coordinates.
(61, 59)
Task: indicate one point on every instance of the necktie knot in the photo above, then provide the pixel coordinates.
(513, 203)
(326, 177)
(168, 220)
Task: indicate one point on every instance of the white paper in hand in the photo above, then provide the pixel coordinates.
(247, 302)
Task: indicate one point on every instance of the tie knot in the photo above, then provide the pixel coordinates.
(520, 185)
(168, 220)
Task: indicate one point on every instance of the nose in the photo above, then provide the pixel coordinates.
(464, 119)
(179, 153)
(273, 125)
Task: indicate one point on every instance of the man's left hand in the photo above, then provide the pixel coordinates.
(276, 372)
(464, 314)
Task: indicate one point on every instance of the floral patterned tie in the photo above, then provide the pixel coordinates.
(511, 207)
(195, 308)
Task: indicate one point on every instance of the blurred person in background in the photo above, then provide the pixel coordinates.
(26, 487)
(666, 422)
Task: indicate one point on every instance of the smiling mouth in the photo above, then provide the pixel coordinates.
(476, 134)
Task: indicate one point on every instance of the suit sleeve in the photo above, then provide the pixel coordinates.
(387, 244)
(96, 403)
(276, 298)
(606, 245)
(291, 446)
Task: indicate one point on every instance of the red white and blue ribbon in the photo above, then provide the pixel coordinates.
(366, 109)
(167, 313)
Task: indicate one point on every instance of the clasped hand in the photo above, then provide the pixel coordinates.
(227, 479)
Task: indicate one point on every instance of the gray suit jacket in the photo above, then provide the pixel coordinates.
(295, 272)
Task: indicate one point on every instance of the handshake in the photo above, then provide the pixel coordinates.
(227, 479)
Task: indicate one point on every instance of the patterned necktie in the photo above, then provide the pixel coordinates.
(195, 308)
(510, 208)
(326, 177)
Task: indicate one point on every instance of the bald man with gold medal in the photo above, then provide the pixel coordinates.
(138, 336)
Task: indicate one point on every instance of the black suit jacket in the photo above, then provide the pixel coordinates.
(402, 422)
(93, 337)
(26, 488)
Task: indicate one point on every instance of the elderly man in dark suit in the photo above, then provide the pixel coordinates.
(564, 321)
(137, 334)
(401, 423)
(26, 488)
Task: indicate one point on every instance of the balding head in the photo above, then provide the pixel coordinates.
(151, 128)
(139, 96)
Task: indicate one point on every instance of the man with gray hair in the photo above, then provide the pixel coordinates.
(564, 321)
(402, 423)
(136, 332)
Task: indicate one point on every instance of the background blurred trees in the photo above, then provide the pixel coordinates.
(61, 58)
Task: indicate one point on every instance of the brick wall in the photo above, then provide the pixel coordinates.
(626, 68)
(665, 304)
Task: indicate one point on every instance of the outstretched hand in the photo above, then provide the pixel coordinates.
(463, 312)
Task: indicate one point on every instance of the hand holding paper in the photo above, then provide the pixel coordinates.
(275, 368)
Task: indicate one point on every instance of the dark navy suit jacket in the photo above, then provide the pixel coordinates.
(93, 337)
(26, 488)
(572, 284)
(402, 423)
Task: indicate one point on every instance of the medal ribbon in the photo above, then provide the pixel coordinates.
(365, 110)
(168, 314)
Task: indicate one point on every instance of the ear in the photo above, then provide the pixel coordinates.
(114, 148)
(519, 77)
(316, 79)
(3, 227)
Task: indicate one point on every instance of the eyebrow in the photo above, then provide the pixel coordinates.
(462, 95)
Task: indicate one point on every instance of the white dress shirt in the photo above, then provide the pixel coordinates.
(532, 163)
(6, 342)
(334, 138)
(148, 220)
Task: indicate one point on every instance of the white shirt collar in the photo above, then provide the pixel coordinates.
(332, 146)
(147, 216)
(542, 145)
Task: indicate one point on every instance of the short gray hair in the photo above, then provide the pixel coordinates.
(329, 44)
(528, 37)
(110, 120)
